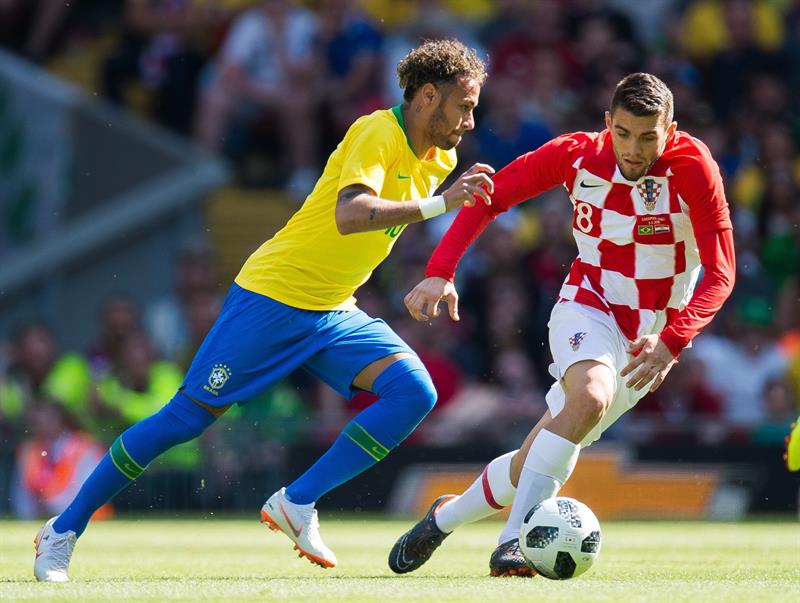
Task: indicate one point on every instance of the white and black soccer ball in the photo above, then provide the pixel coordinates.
(560, 538)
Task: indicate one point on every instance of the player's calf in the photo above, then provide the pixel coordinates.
(177, 422)
(406, 396)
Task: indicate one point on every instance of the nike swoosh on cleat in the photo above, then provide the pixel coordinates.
(295, 531)
(400, 560)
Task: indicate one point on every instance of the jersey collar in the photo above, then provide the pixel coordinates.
(398, 114)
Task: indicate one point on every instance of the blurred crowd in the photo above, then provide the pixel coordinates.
(274, 84)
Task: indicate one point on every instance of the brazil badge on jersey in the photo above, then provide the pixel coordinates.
(308, 264)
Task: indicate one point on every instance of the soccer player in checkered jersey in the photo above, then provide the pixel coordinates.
(649, 211)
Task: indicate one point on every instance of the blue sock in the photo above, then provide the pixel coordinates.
(179, 421)
(406, 396)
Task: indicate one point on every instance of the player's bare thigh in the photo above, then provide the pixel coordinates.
(588, 393)
(589, 390)
(372, 371)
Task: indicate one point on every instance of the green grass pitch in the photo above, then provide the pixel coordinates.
(239, 560)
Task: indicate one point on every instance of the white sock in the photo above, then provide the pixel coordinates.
(549, 464)
(488, 494)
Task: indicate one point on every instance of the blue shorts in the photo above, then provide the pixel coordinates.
(257, 341)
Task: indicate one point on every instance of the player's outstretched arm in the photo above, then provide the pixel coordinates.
(525, 177)
(359, 209)
(423, 300)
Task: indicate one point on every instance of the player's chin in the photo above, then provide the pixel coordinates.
(451, 142)
(633, 172)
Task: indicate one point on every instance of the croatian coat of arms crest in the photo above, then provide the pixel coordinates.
(649, 190)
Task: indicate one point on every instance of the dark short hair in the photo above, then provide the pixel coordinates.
(643, 94)
(438, 62)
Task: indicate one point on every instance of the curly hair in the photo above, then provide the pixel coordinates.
(438, 62)
(643, 94)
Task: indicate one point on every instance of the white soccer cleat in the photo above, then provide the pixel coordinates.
(53, 552)
(300, 523)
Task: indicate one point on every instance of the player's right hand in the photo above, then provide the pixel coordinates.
(424, 299)
(472, 184)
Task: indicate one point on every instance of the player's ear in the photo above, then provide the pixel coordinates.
(608, 120)
(429, 93)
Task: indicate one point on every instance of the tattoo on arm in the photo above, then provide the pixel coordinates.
(348, 195)
(372, 213)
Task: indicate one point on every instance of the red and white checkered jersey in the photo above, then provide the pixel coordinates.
(638, 256)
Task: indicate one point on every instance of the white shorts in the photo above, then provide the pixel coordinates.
(579, 332)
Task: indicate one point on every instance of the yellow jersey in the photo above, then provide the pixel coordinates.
(308, 264)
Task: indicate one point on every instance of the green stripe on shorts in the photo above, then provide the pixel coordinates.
(123, 461)
(364, 440)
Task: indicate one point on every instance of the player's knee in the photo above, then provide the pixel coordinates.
(408, 381)
(419, 394)
(193, 417)
(589, 405)
(422, 391)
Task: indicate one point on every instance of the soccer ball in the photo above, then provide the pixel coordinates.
(560, 538)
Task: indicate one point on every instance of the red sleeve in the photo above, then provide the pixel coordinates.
(699, 184)
(527, 176)
(719, 265)
(469, 223)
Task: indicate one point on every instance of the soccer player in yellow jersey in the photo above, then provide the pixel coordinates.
(292, 305)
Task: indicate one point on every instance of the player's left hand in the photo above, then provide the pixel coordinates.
(652, 358)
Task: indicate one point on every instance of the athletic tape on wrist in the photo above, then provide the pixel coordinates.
(430, 207)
